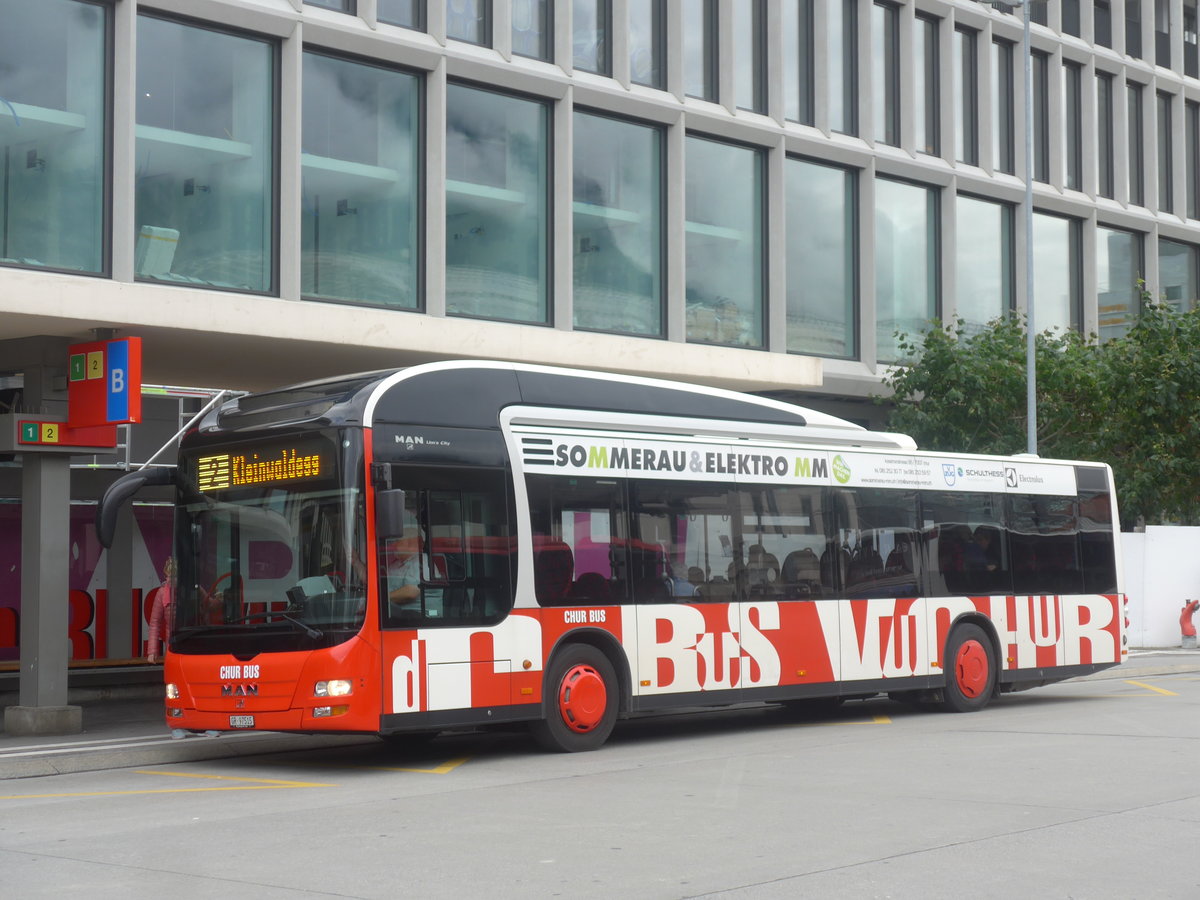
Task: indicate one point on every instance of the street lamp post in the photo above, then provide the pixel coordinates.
(1030, 343)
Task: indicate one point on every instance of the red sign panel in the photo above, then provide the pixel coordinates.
(104, 386)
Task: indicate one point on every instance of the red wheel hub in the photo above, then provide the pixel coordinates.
(582, 698)
(971, 669)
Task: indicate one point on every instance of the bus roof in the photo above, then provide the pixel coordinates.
(472, 394)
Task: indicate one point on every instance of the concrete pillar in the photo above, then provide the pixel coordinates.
(45, 523)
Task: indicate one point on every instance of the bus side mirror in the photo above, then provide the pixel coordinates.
(389, 514)
(119, 493)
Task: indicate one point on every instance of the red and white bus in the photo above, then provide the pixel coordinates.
(469, 543)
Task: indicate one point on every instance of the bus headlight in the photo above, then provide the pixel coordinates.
(172, 691)
(332, 688)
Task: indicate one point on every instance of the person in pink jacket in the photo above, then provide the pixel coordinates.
(162, 615)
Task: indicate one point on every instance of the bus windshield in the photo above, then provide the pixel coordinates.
(270, 539)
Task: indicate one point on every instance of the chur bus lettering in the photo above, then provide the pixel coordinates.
(565, 567)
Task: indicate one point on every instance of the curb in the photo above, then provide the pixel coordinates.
(1127, 670)
(189, 749)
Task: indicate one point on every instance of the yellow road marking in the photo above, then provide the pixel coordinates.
(875, 720)
(1151, 687)
(244, 784)
(444, 769)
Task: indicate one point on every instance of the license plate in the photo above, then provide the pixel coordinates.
(241, 721)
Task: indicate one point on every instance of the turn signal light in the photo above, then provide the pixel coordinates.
(324, 712)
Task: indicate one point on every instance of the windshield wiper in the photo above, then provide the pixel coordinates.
(283, 614)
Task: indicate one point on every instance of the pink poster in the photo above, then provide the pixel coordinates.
(88, 594)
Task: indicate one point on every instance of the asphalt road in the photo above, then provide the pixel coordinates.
(1086, 789)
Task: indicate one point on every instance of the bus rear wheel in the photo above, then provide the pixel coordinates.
(970, 663)
(579, 702)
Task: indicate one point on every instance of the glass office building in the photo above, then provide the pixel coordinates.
(761, 193)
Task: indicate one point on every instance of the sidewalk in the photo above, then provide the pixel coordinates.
(122, 732)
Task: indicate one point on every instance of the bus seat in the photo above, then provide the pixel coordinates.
(553, 572)
(590, 587)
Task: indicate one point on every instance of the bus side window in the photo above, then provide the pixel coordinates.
(1044, 536)
(883, 528)
(458, 533)
(579, 553)
(1096, 544)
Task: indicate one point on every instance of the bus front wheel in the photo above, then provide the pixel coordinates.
(970, 666)
(579, 701)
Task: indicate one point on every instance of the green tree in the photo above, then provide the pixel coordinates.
(966, 392)
(1151, 431)
(1133, 402)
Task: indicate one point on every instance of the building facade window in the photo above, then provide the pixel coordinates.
(1191, 21)
(966, 97)
(1056, 272)
(497, 262)
(798, 75)
(984, 264)
(699, 28)
(533, 29)
(1191, 111)
(1105, 127)
(1166, 155)
(53, 125)
(1003, 108)
(406, 13)
(749, 43)
(346, 6)
(469, 21)
(205, 157)
(1070, 17)
(1118, 268)
(1136, 159)
(1102, 23)
(647, 43)
(591, 35)
(822, 259)
(1040, 64)
(926, 80)
(1178, 270)
(359, 211)
(842, 68)
(1073, 126)
(618, 234)
(725, 258)
(1133, 28)
(1162, 33)
(885, 67)
(906, 262)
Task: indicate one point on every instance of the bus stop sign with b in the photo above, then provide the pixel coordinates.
(104, 383)
(104, 390)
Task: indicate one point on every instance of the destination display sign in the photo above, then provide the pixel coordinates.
(275, 464)
(580, 453)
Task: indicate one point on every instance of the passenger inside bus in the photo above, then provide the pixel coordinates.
(402, 559)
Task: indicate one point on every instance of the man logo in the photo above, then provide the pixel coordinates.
(949, 473)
